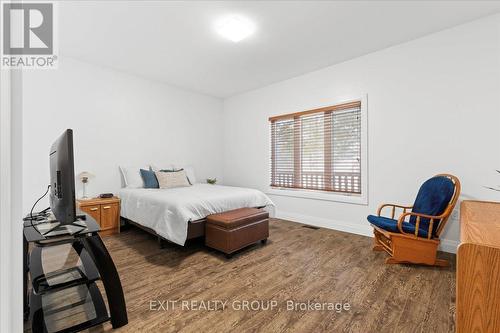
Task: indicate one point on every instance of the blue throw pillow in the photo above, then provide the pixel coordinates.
(149, 179)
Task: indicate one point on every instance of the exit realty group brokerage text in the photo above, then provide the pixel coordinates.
(246, 305)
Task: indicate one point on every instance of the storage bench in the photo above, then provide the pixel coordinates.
(233, 230)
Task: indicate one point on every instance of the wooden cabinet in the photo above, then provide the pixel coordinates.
(94, 211)
(105, 211)
(478, 268)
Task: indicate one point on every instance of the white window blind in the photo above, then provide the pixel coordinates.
(318, 149)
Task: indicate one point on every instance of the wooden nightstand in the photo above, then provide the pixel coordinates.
(106, 212)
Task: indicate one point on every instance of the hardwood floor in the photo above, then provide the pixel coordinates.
(298, 264)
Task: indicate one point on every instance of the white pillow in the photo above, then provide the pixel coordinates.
(165, 167)
(172, 179)
(132, 176)
(189, 173)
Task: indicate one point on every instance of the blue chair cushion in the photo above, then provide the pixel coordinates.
(392, 225)
(149, 178)
(432, 199)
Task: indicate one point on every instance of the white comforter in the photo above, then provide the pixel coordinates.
(168, 211)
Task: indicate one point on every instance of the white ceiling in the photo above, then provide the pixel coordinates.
(175, 42)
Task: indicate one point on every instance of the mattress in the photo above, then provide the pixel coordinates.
(168, 211)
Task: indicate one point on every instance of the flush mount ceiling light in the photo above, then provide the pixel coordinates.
(235, 28)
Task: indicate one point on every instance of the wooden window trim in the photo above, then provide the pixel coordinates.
(338, 107)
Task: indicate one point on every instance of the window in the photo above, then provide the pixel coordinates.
(318, 149)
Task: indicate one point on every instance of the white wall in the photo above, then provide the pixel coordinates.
(433, 107)
(118, 119)
(11, 260)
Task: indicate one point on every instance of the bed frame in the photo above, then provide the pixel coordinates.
(196, 229)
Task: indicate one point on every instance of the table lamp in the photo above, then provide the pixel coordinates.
(84, 177)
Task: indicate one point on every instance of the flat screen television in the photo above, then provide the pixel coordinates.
(62, 179)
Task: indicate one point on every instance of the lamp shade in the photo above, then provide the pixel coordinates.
(85, 175)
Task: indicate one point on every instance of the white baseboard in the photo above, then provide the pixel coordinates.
(327, 223)
(447, 245)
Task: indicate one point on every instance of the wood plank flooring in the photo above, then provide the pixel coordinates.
(297, 264)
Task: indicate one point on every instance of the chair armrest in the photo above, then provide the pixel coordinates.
(394, 206)
(419, 216)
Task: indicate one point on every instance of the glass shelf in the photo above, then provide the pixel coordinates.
(81, 272)
(69, 310)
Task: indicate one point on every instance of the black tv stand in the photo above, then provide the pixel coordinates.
(60, 229)
(47, 298)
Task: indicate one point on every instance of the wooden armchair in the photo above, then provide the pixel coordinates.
(414, 236)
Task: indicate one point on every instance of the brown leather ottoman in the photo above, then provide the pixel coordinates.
(235, 229)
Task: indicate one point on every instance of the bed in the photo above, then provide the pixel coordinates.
(178, 214)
